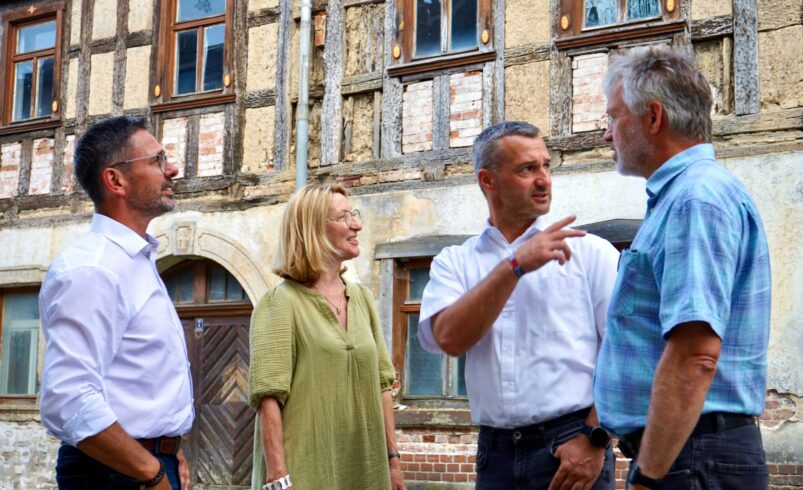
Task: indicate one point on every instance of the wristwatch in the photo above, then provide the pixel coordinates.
(394, 454)
(599, 437)
(636, 478)
(280, 484)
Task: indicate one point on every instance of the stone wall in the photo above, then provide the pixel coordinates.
(27, 456)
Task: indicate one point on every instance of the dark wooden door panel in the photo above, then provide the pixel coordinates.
(220, 445)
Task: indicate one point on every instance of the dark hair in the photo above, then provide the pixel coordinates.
(103, 144)
(485, 151)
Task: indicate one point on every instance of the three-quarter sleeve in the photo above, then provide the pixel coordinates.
(272, 348)
(387, 374)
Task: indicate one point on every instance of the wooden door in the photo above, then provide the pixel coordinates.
(219, 448)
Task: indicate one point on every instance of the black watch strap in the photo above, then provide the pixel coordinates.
(598, 436)
(637, 478)
(394, 454)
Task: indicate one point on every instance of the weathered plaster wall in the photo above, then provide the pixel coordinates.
(140, 15)
(75, 23)
(101, 84)
(104, 15)
(710, 8)
(72, 88)
(258, 139)
(27, 456)
(365, 39)
(781, 68)
(527, 94)
(526, 22)
(136, 78)
(262, 42)
(262, 4)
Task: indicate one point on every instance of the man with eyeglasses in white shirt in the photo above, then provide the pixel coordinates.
(116, 386)
(526, 303)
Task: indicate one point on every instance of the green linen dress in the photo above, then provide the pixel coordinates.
(329, 383)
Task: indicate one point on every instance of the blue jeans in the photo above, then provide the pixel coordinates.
(522, 459)
(727, 459)
(77, 471)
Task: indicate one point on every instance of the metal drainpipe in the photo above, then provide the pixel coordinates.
(302, 109)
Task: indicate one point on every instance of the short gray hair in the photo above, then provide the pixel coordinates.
(669, 76)
(485, 151)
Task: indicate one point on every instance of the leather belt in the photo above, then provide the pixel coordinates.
(708, 424)
(161, 445)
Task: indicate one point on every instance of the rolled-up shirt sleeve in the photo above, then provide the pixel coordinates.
(444, 288)
(83, 317)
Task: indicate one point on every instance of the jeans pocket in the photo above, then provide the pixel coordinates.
(562, 438)
(482, 457)
(71, 482)
(677, 480)
(725, 476)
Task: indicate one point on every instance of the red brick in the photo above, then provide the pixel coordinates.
(448, 477)
(461, 477)
(453, 467)
(467, 468)
(440, 467)
(459, 458)
(433, 458)
(420, 458)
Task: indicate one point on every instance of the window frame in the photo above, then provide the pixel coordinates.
(12, 23)
(402, 61)
(201, 305)
(25, 400)
(402, 309)
(162, 97)
(570, 32)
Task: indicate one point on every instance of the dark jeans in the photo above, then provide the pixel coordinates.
(77, 471)
(730, 459)
(522, 459)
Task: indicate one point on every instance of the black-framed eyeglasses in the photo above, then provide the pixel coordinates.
(160, 158)
(348, 217)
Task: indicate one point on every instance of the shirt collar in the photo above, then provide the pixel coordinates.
(123, 236)
(490, 232)
(675, 166)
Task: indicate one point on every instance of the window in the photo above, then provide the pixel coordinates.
(203, 282)
(433, 29)
(422, 374)
(32, 59)
(195, 62)
(592, 19)
(19, 343)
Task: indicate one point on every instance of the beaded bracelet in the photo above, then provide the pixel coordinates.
(156, 479)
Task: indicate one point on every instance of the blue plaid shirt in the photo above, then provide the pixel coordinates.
(700, 255)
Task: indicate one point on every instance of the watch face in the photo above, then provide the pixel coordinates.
(599, 437)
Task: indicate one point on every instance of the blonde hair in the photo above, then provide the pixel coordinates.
(304, 247)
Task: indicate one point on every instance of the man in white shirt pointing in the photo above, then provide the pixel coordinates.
(527, 304)
(116, 387)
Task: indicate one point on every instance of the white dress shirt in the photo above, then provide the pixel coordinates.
(537, 360)
(115, 346)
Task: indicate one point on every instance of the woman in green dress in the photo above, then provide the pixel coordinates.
(320, 376)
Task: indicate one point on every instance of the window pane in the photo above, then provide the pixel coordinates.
(600, 12)
(464, 24)
(185, 281)
(427, 27)
(642, 9)
(23, 90)
(36, 37)
(44, 87)
(217, 283)
(186, 56)
(418, 281)
(423, 376)
(213, 56)
(234, 292)
(199, 9)
(461, 376)
(18, 374)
